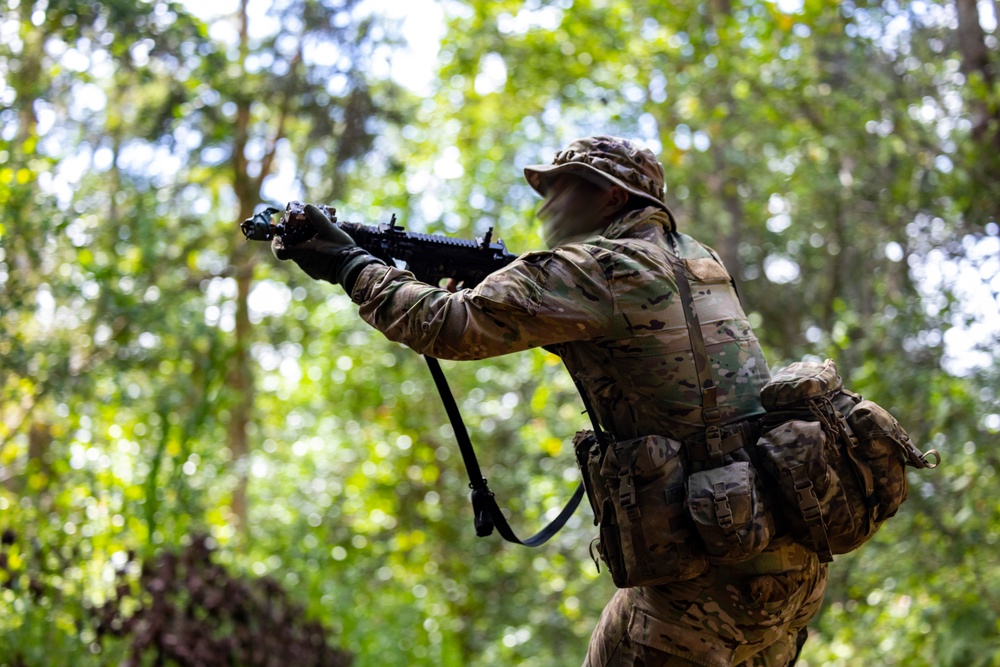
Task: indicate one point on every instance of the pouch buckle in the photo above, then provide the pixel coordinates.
(713, 443)
(723, 510)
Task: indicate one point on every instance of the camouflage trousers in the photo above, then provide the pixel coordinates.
(753, 615)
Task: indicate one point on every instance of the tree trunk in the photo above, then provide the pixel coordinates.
(983, 109)
(976, 61)
(241, 383)
(724, 191)
(240, 377)
(725, 187)
(28, 79)
(972, 40)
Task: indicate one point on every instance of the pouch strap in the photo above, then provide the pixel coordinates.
(602, 443)
(809, 508)
(724, 510)
(734, 436)
(602, 437)
(862, 473)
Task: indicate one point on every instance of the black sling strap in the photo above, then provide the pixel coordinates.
(484, 505)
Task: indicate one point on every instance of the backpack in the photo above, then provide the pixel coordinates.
(837, 461)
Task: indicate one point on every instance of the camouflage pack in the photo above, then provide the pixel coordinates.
(829, 466)
(838, 462)
(666, 516)
(823, 464)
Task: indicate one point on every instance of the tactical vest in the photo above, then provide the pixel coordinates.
(822, 464)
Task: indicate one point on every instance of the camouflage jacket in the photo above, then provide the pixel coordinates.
(609, 307)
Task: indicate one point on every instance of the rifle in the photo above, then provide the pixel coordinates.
(430, 257)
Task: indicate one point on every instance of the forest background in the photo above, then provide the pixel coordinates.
(162, 379)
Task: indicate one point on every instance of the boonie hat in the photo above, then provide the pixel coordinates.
(614, 159)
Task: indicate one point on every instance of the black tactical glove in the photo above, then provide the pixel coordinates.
(331, 255)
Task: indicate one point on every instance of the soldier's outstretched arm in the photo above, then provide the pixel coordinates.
(542, 298)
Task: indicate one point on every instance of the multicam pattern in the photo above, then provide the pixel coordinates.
(609, 307)
(838, 461)
(727, 505)
(722, 619)
(637, 489)
(792, 385)
(618, 160)
(818, 496)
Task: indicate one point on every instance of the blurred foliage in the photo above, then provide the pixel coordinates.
(162, 379)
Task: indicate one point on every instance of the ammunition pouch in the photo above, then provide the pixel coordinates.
(664, 517)
(637, 490)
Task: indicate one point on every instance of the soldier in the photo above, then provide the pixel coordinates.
(604, 298)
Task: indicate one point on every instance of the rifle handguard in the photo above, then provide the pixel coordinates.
(431, 257)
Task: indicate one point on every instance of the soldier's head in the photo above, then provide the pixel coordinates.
(592, 183)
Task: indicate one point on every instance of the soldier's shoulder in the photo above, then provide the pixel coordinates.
(691, 247)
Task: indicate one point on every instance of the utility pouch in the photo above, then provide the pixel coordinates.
(801, 456)
(884, 447)
(637, 490)
(727, 507)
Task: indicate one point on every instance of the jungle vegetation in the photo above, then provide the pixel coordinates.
(180, 412)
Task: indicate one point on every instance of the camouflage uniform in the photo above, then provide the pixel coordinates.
(609, 307)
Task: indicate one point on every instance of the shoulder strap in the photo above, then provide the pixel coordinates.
(711, 414)
(484, 505)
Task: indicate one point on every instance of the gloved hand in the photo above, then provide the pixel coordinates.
(331, 255)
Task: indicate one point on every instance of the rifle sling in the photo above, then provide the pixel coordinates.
(484, 505)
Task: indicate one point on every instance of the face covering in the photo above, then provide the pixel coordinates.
(572, 212)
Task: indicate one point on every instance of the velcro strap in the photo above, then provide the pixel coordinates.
(789, 557)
